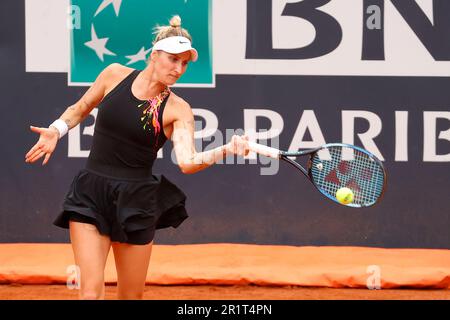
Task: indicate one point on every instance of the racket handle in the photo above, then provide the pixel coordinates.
(264, 150)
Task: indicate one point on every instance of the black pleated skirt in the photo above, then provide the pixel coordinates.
(128, 211)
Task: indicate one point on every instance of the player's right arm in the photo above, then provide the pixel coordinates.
(77, 112)
(72, 116)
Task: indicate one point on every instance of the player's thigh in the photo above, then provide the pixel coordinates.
(90, 251)
(132, 263)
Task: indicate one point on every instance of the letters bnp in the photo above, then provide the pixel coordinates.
(433, 34)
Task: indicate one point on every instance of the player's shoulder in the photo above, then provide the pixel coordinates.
(179, 103)
(113, 74)
(117, 70)
(178, 108)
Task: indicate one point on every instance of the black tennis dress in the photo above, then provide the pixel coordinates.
(117, 191)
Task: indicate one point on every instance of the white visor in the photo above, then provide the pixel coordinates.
(176, 45)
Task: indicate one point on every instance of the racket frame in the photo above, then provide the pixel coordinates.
(284, 155)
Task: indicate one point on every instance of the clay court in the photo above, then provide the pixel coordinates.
(241, 272)
(60, 292)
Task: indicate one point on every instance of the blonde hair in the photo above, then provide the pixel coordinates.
(172, 30)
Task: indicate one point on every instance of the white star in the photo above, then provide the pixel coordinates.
(98, 45)
(105, 3)
(141, 55)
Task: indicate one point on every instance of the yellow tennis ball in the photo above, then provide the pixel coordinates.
(344, 195)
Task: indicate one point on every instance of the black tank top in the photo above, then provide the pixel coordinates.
(125, 142)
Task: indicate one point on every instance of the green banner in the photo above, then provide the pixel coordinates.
(122, 31)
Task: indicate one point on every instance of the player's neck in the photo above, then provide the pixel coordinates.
(149, 84)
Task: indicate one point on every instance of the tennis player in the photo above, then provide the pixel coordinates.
(116, 201)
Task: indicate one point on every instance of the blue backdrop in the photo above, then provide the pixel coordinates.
(235, 203)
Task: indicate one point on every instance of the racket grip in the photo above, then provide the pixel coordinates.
(264, 150)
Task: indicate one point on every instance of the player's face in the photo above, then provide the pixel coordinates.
(170, 67)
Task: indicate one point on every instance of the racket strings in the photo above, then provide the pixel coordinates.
(367, 178)
(360, 173)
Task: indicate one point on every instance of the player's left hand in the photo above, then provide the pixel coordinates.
(238, 145)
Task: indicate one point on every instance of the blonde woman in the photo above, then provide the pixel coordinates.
(116, 200)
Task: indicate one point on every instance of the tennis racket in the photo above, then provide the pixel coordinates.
(334, 166)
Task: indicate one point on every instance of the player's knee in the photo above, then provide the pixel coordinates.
(91, 294)
(130, 295)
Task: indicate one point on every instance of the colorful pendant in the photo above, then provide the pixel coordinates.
(150, 112)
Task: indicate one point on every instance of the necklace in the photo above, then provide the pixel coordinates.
(150, 111)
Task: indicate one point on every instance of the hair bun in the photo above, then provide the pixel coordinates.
(175, 22)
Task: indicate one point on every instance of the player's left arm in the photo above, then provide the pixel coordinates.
(189, 160)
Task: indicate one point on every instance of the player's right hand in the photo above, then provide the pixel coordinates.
(45, 146)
